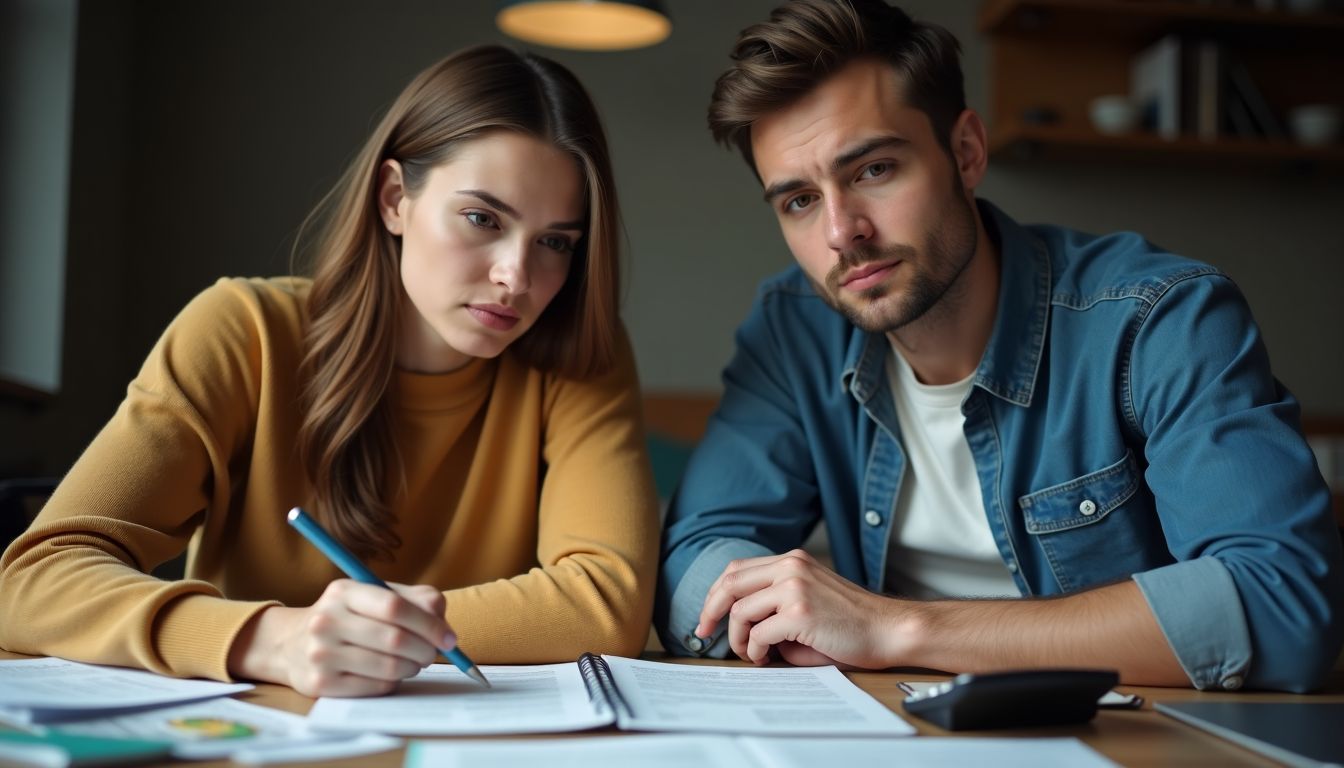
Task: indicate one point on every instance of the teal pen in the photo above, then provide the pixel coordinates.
(356, 570)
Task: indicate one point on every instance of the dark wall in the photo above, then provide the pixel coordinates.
(206, 130)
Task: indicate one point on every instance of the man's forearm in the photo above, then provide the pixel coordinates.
(1109, 627)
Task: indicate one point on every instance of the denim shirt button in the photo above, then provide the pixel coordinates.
(1088, 507)
(694, 644)
(1232, 682)
(1012, 566)
(872, 518)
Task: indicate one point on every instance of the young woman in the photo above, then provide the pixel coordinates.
(451, 396)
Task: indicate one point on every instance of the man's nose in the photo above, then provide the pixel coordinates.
(846, 224)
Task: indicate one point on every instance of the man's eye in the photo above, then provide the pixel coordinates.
(481, 219)
(874, 170)
(799, 203)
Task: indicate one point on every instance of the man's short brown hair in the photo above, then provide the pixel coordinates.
(805, 41)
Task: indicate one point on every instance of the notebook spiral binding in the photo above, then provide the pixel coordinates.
(601, 685)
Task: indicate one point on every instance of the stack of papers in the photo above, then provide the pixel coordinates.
(70, 705)
(56, 690)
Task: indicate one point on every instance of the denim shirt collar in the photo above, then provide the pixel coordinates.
(1012, 358)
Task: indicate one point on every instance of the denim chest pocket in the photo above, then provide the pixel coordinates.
(1084, 501)
(1073, 526)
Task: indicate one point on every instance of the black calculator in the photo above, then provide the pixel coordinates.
(1025, 699)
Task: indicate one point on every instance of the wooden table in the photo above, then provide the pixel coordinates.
(1140, 737)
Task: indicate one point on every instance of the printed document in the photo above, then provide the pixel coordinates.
(627, 693)
(50, 690)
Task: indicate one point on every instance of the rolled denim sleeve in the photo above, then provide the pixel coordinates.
(1234, 482)
(749, 489)
(678, 633)
(1190, 598)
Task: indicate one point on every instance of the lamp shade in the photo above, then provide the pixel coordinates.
(586, 25)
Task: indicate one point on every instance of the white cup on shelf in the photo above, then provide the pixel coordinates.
(1316, 125)
(1113, 114)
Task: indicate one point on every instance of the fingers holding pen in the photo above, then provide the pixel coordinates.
(361, 640)
(402, 621)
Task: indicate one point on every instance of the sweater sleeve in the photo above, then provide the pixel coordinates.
(597, 541)
(77, 583)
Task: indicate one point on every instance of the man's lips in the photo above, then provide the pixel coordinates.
(496, 316)
(868, 275)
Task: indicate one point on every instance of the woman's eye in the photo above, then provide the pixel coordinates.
(481, 219)
(558, 244)
(799, 203)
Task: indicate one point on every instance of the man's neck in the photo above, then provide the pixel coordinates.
(945, 345)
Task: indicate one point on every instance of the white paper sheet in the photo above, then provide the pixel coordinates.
(55, 690)
(551, 698)
(544, 698)
(723, 699)
(209, 729)
(674, 751)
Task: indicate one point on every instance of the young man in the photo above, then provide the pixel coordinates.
(980, 410)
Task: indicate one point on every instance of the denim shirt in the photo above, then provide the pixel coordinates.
(1124, 424)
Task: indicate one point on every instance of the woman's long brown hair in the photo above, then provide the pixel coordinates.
(345, 440)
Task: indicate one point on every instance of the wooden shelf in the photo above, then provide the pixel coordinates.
(1021, 143)
(1150, 19)
(1053, 57)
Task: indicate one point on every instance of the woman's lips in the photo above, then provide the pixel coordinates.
(494, 316)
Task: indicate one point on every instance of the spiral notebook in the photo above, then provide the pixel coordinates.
(630, 694)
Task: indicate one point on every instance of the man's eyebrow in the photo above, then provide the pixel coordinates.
(782, 188)
(871, 145)
(511, 212)
(843, 159)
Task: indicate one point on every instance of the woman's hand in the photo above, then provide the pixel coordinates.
(356, 640)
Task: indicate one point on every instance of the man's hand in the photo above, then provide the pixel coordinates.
(811, 615)
(356, 640)
(807, 612)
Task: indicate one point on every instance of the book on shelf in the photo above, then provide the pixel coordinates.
(630, 694)
(1155, 86)
(1207, 78)
(1256, 113)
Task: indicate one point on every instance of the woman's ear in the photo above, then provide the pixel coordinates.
(391, 194)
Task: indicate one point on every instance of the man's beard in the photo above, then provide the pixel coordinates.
(949, 250)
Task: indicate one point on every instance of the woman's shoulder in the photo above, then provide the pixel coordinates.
(234, 317)
(262, 302)
(619, 379)
(287, 293)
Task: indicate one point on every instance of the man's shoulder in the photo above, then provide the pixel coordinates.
(1090, 268)
(788, 297)
(788, 284)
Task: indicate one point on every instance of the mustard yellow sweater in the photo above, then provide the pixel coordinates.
(528, 500)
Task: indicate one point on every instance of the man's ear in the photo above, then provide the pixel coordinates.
(391, 193)
(970, 149)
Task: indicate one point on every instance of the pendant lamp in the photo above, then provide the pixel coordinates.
(585, 25)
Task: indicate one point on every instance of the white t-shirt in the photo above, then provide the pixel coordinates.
(941, 545)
